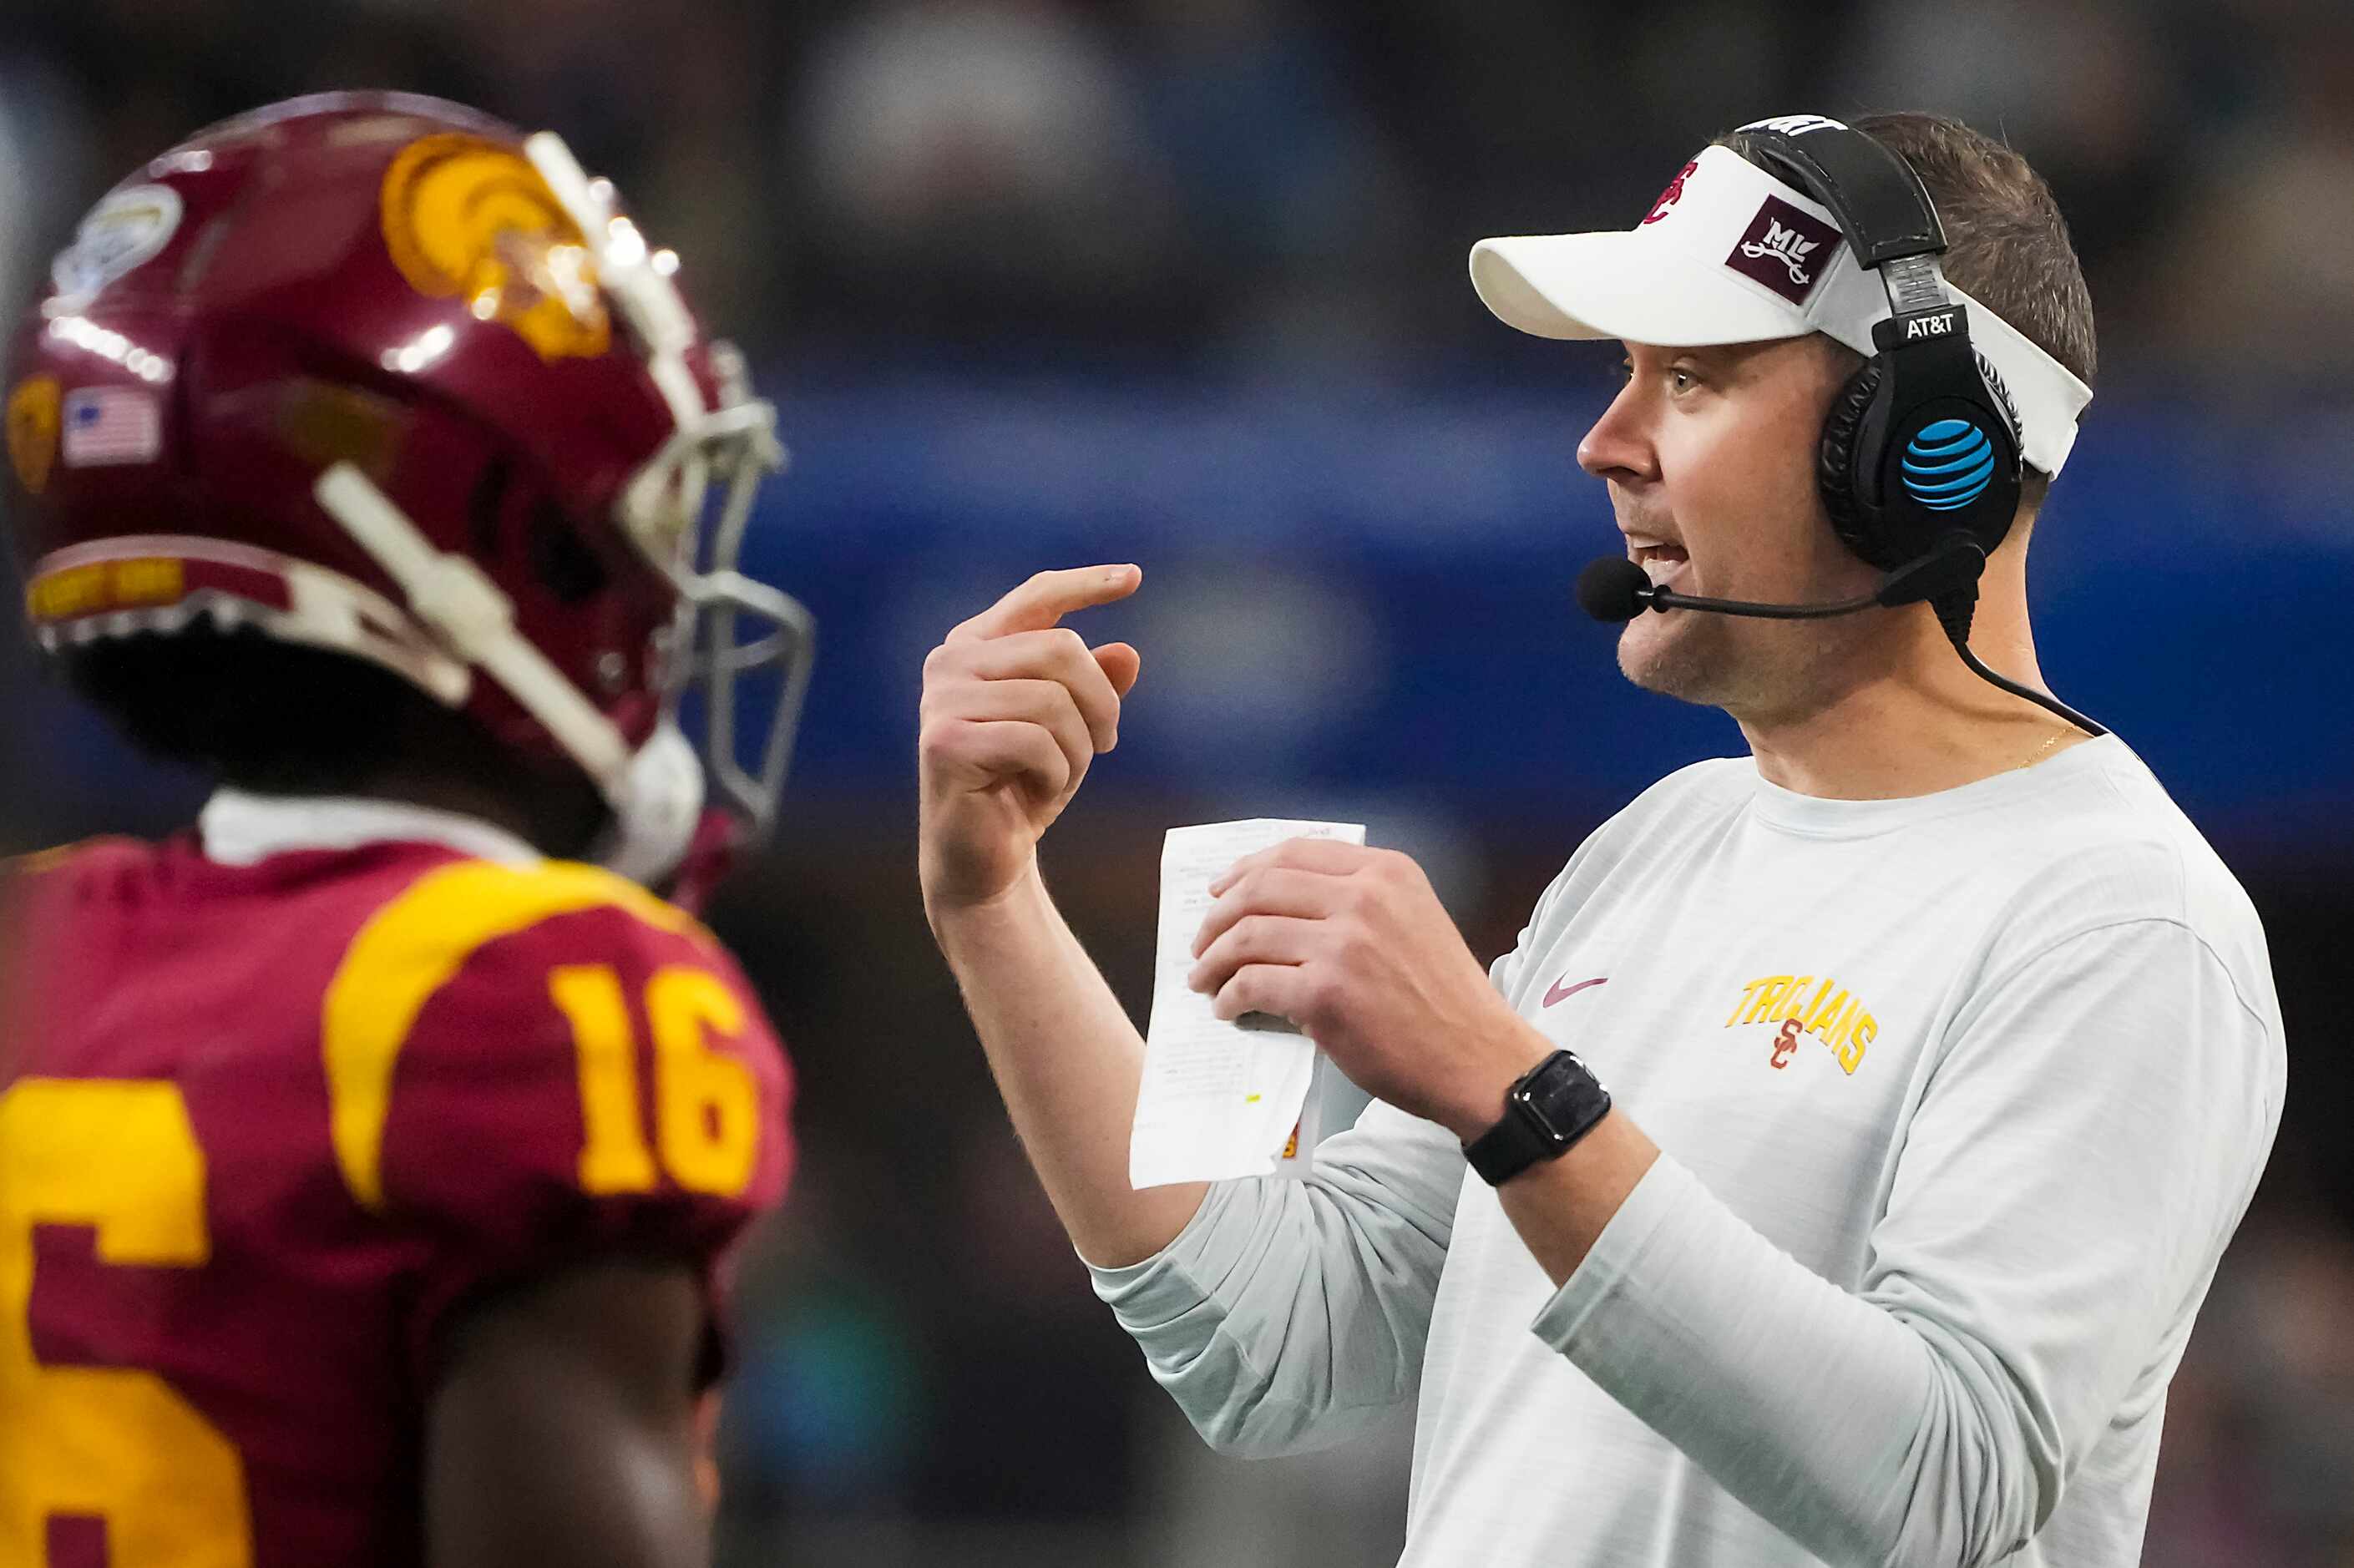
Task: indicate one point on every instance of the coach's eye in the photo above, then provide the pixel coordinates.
(1624, 371)
(1682, 377)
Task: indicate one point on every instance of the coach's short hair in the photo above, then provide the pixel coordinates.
(2008, 247)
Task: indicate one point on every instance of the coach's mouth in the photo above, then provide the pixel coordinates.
(1657, 557)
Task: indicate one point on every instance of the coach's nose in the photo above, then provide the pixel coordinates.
(1619, 448)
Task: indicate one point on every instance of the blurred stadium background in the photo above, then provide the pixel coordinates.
(1046, 282)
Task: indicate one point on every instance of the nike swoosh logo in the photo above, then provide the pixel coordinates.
(1560, 991)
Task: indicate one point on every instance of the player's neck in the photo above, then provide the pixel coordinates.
(1927, 723)
(554, 827)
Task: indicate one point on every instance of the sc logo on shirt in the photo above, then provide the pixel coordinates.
(1829, 1012)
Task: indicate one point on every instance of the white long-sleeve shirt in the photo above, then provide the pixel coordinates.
(1909, 1279)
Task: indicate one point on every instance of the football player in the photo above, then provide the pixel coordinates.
(370, 1156)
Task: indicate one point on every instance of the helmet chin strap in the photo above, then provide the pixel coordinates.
(661, 806)
(655, 792)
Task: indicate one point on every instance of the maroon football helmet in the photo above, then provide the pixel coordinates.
(375, 373)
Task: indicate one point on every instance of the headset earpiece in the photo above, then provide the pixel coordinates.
(1958, 471)
(1921, 443)
(1835, 464)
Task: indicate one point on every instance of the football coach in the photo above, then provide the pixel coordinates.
(1833, 1171)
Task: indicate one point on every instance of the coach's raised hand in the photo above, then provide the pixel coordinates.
(1015, 708)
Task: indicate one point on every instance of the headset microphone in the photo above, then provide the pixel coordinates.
(1613, 588)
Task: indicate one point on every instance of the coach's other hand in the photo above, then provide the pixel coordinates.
(1014, 709)
(1351, 944)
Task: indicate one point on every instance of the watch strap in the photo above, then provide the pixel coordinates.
(1507, 1148)
(1546, 1111)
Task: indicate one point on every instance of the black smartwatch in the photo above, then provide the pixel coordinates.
(1553, 1105)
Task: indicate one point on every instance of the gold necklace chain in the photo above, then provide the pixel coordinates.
(2051, 740)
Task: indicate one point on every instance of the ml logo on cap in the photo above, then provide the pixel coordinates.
(1786, 249)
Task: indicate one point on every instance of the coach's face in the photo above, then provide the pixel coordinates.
(1710, 457)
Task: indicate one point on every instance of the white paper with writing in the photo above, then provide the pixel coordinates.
(1218, 1099)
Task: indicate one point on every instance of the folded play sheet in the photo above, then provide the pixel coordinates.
(1218, 1099)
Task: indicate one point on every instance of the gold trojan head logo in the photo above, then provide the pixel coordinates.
(33, 429)
(469, 219)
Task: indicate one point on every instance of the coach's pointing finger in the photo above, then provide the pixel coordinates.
(1046, 598)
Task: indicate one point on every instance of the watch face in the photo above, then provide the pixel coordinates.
(1553, 1106)
(1563, 1095)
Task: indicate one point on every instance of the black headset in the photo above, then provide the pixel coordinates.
(1920, 449)
(1920, 460)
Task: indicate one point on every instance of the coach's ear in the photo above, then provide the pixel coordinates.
(564, 1425)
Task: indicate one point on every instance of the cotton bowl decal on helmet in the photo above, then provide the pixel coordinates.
(377, 373)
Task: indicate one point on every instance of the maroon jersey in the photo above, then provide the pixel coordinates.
(267, 1131)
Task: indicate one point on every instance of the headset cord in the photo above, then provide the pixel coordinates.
(1956, 609)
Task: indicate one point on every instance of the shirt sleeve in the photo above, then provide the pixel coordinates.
(589, 1088)
(1289, 1314)
(2067, 1181)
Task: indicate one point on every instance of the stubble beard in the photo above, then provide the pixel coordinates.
(1749, 670)
(1695, 661)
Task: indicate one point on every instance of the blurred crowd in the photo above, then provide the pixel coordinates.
(1266, 182)
(1277, 191)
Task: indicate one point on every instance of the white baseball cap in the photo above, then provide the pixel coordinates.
(1731, 254)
